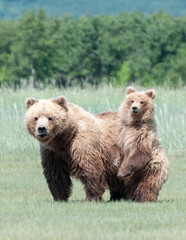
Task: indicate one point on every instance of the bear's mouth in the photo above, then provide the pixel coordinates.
(42, 135)
(135, 111)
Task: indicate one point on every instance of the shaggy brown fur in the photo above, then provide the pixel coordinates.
(142, 163)
(75, 143)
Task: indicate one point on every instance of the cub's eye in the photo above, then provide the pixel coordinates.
(36, 118)
(142, 102)
(50, 119)
(132, 101)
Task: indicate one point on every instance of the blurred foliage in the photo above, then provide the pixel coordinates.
(123, 75)
(37, 49)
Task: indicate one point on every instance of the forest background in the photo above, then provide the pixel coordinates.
(38, 48)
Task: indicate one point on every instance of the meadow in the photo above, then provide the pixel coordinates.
(27, 210)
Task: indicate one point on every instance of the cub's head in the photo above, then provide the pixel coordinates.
(46, 118)
(138, 106)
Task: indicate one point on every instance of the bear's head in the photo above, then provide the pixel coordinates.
(46, 118)
(137, 106)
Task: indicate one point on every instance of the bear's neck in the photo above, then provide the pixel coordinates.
(138, 123)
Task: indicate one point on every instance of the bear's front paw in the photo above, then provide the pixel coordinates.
(116, 162)
(125, 172)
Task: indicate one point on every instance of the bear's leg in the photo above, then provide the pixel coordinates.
(136, 161)
(94, 187)
(147, 190)
(116, 195)
(115, 155)
(117, 189)
(57, 175)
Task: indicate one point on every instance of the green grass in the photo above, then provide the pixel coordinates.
(27, 210)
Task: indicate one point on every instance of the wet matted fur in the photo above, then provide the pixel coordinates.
(137, 153)
(75, 143)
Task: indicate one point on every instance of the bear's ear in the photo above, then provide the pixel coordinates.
(130, 89)
(151, 93)
(30, 101)
(61, 101)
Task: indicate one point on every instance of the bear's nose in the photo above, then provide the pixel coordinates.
(134, 109)
(42, 129)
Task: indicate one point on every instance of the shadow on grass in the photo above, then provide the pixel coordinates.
(162, 201)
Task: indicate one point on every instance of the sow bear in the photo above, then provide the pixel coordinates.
(75, 143)
(138, 155)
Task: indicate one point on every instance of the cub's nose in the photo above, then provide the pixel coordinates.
(134, 109)
(41, 129)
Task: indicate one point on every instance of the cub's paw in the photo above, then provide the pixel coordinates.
(125, 172)
(116, 162)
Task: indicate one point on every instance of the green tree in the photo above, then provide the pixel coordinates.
(7, 36)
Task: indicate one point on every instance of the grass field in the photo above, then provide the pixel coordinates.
(27, 210)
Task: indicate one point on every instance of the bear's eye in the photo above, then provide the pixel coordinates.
(36, 118)
(50, 119)
(132, 101)
(142, 102)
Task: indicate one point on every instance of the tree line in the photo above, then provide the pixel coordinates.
(40, 49)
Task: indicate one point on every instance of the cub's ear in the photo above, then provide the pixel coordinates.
(30, 101)
(61, 101)
(130, 89)
(151, 93)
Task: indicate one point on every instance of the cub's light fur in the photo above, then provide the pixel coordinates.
(141, 161)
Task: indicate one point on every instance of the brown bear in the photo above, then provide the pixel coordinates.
(142, 163)
(75, 143)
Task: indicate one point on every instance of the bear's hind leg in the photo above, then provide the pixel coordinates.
(116, 195)
(147, 190)
(94, 188)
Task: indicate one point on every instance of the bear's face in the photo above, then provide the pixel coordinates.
(46, 118)
(138, 106)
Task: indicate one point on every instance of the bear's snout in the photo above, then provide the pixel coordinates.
(135, 109)
(42, 131)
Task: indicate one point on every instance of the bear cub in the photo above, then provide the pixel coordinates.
(137, 153)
